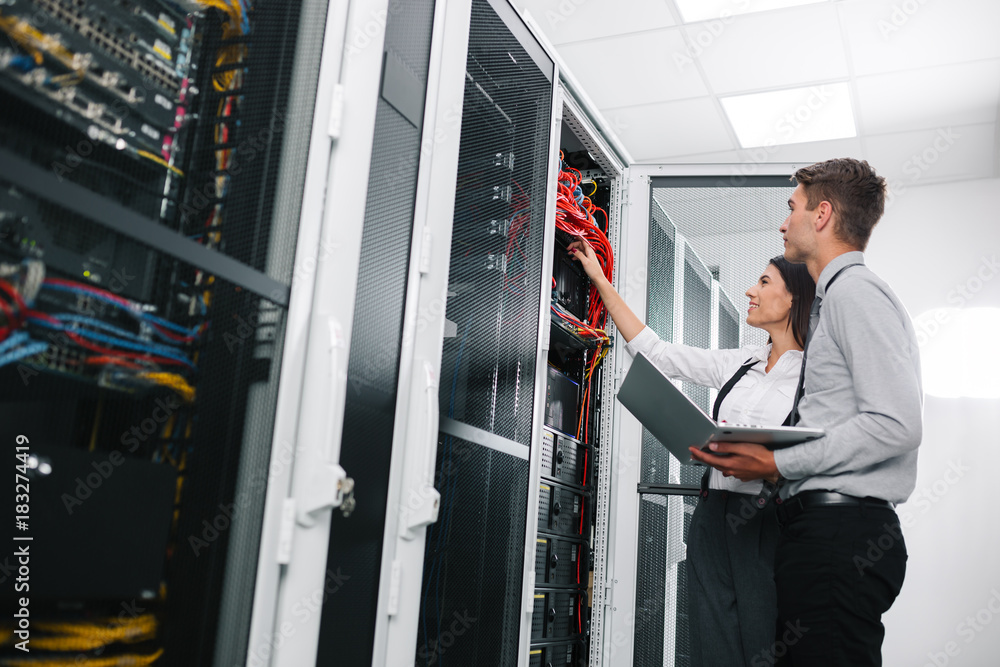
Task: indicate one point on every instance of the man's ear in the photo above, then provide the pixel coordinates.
(824, 215)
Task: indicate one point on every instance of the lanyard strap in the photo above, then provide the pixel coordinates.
(726, 388)
(793, 416)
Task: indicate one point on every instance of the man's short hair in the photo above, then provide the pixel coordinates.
(854, 190)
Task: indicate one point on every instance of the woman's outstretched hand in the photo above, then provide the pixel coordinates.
(581, 251)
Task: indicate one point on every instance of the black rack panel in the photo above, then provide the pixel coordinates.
(572, 654)
(562, 510)
(561, 562)
(565, 459)
(144, 272)
(559, 615)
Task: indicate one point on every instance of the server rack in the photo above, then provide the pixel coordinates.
(340, 575)
(153, 166)
(490, 400)
(690, 283)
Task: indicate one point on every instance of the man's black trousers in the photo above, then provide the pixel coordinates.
(837, 570)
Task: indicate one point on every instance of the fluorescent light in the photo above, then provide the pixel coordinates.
(794, 116)
(706, 10)
(958, 352)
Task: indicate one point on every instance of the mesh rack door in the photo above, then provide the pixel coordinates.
(347, 625)
(152, 159)
(474, 555)
(703, 236)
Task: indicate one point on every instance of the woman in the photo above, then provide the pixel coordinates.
(733, 532)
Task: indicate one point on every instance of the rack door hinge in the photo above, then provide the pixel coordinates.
(425, 252)
(286, 531)
(395, 575)
(336, 111)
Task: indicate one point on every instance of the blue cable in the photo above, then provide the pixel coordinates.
(110, 340)
(14, 340)
(29, 350)
(108, 328)
(112, 329)
(149, 317)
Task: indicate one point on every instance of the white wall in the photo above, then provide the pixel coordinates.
(933, 242)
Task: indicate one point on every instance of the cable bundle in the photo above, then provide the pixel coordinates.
(581, 329)
(127, 357)
(575, 216)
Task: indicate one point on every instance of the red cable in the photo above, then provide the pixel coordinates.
(12, 321)
(89, 288)
(18, 301)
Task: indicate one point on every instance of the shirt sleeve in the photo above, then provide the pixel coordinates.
(868, 328)
(709, 368)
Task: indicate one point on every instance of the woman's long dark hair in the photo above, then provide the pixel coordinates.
(803, 290)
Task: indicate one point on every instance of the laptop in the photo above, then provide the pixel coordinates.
(678, 423)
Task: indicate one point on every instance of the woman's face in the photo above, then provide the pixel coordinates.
(770, 300)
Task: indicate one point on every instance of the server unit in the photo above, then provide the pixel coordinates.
(152, 167)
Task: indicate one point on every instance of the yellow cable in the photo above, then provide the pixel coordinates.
(160, 161)
(90, 636)
(174, 381)
(127, 660)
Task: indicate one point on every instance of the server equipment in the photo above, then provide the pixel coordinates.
(476, 553)
(152, 157)
(557, 655)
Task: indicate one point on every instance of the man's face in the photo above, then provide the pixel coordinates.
(798, 230)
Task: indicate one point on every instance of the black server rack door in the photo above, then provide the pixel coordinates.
(146, 252)
(347, 626)
(475, 552)
(706, 213)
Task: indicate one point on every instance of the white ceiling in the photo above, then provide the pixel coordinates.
(923, 75)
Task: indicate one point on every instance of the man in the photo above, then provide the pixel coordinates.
(861, 384)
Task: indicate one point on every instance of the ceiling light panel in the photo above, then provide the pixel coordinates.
(815, 113)
(706, 10)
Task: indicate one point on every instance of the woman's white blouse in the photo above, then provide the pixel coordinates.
(758, 399)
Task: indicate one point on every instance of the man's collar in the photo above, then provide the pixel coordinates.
(838, 263)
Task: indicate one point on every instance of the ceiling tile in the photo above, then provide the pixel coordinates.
(659, 131)
(720, 157)
(706, 10)
(804, 153)
(565, 21)
(776, 49)
(963, 94)
(888, 35)
(929, 156)
(635, 69)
